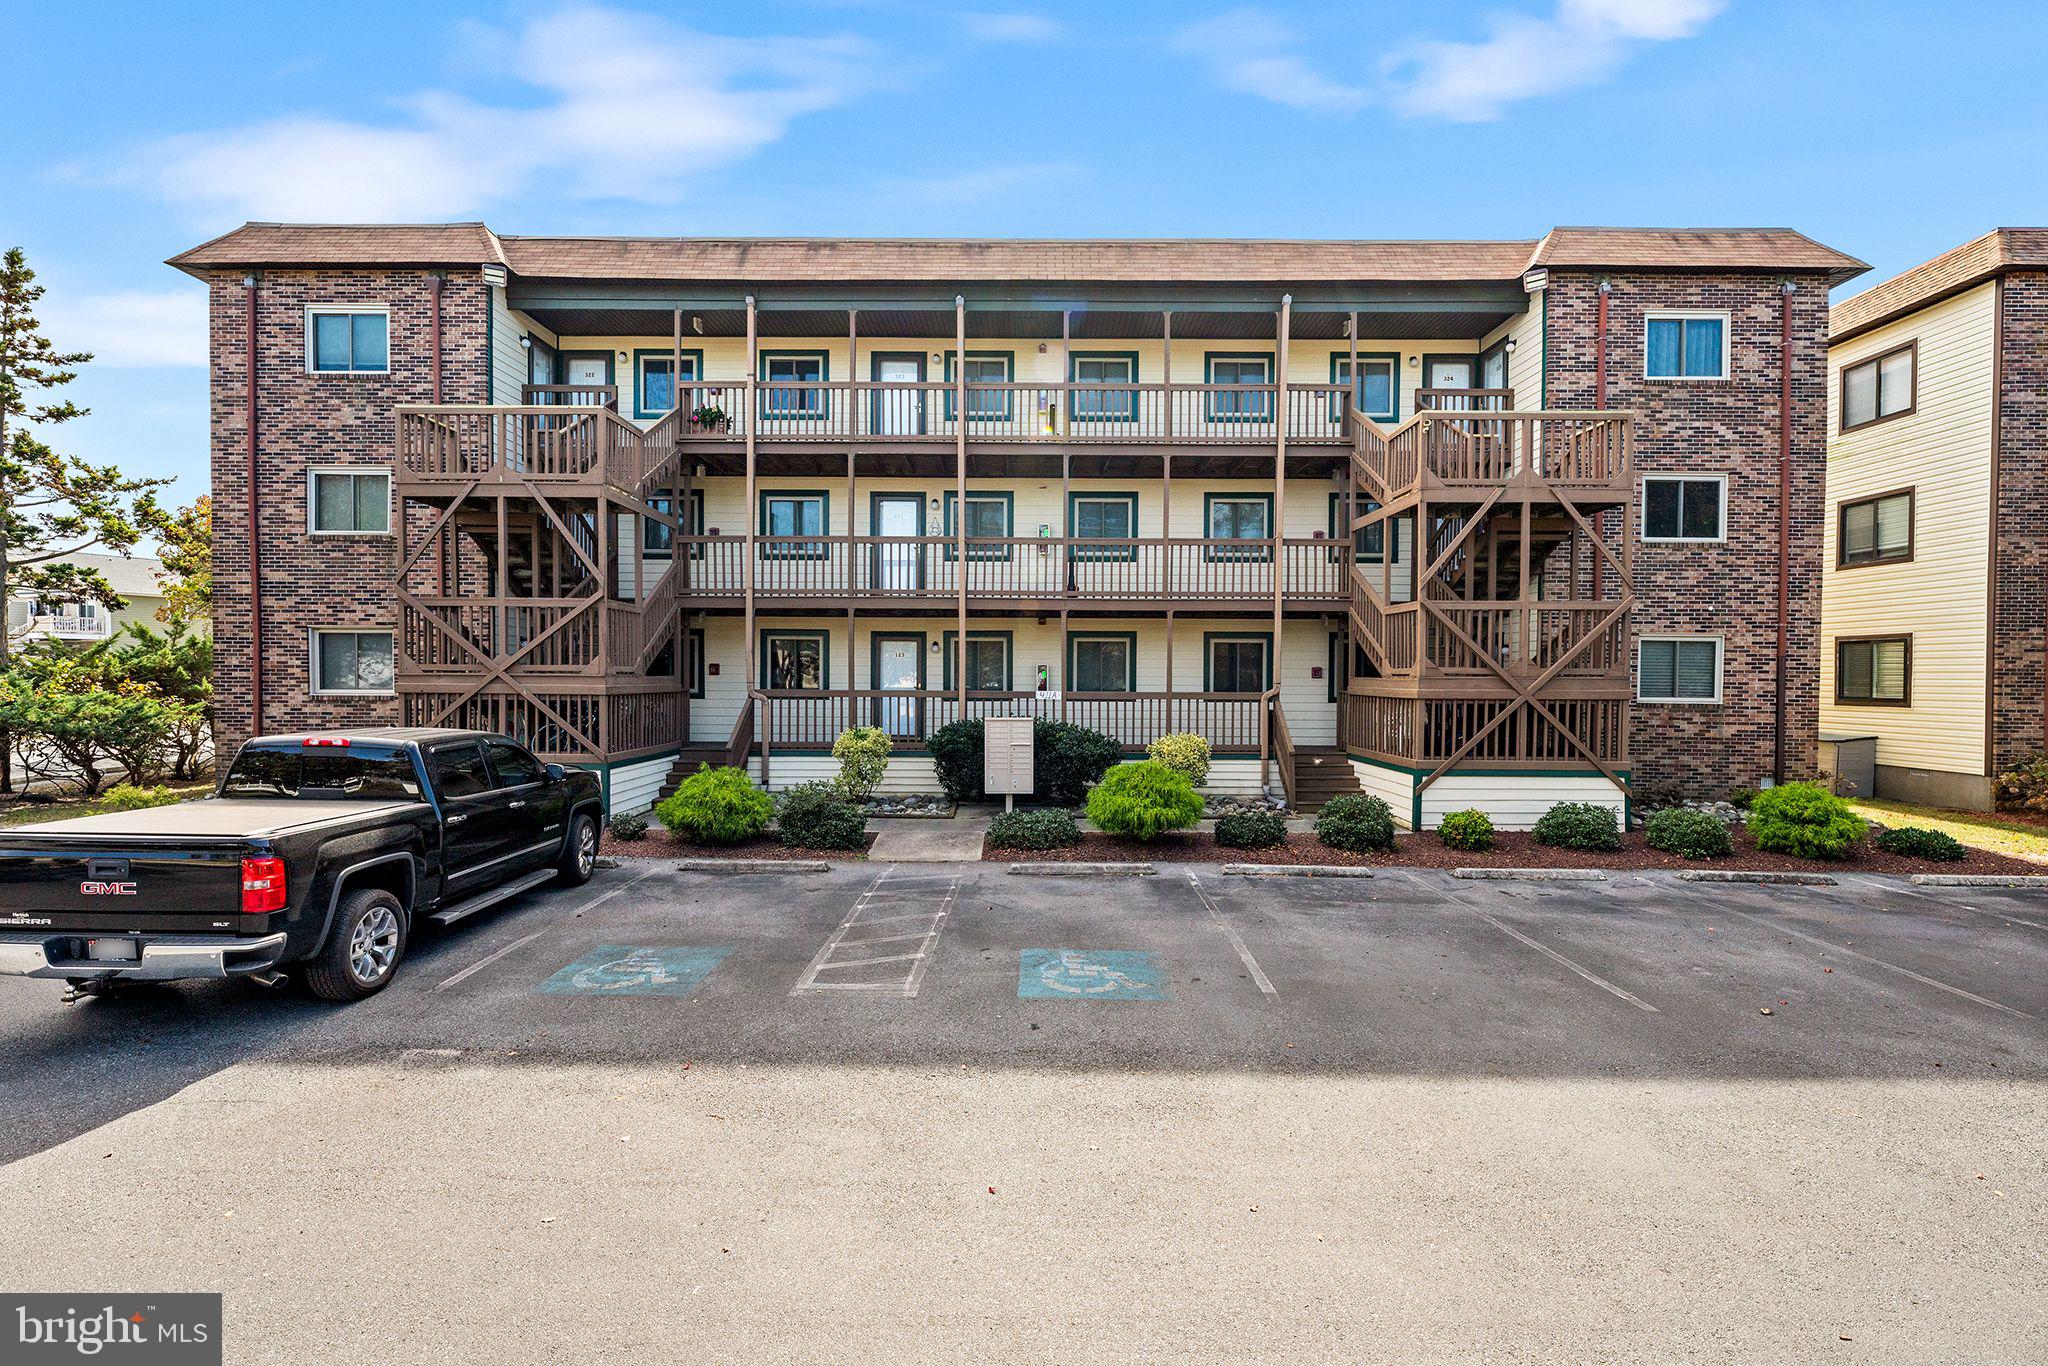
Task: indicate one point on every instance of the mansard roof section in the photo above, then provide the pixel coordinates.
(278, 245)
(1702, 249)
(1960, 268)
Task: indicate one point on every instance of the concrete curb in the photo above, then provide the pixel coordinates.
(1294, 870)
(1979, 880)
(1741, 875)
(751, 865)
(1531, 874)
(1082, 870)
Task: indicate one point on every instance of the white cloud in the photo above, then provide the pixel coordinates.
(1253, 53)
(990, 27)
(147, 328)
(619, 105)
(1522, 56)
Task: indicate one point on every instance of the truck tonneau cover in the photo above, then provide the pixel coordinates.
(209, 817)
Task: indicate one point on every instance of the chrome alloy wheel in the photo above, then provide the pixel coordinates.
(373, 945)
(586, 848)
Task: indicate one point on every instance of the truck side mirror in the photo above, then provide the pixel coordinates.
(557, 772)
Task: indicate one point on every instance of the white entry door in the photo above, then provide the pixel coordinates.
(585, 370)
(1448, 374)
(897, 562)
(899, 412)
(899, 667)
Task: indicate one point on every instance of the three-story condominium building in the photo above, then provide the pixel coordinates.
(1936, 597)
(1485, 524)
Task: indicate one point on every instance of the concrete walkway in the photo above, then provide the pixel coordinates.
(914, 840)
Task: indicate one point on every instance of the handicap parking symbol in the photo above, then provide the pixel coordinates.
(624, 970)
(1089, 975)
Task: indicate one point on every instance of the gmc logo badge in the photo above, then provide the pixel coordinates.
(106, 889)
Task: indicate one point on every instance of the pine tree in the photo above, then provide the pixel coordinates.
(52, 505)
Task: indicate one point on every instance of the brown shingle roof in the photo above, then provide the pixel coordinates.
(1996, 252)
(1189, 260)
(1693, 249)
(344, 244)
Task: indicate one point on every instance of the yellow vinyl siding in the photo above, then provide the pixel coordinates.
(1942, 451)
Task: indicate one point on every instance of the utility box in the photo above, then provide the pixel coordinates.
(1853, 761)
(1006, 761)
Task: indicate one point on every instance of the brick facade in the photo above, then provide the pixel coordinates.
(306, 420)
(2017, 664)
(1716, 427)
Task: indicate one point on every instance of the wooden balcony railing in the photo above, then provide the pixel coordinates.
(1425, 730)
(1231, 722)
(913, 567)
(574, 395)
(1480, 450)
(1470, 400)
(569, 725)
(539, 442)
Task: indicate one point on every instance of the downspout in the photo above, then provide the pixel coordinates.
(434, 283)
(255, 538)
(1784, 519)
(1600, 404)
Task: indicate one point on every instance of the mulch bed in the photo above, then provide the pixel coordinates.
(1511, 850)
(658, 843)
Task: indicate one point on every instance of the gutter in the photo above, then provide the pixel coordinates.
(255, 536)
(1784, 521)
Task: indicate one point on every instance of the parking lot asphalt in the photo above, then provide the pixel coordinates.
(1404, 1117)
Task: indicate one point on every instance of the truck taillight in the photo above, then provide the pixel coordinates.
(262, 885)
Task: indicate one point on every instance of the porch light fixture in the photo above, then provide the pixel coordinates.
(1508, 346)
(935, 647)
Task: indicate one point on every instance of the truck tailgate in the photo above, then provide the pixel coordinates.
(115, 885)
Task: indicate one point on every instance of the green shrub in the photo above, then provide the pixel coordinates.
(816, 816)
(1068, 759)
(1578, 825)
(1687, 833)
(1741, 797)
(863, 755)
(1054, 829)
(717, 806)
(1185, 754)
(1468, 830)
(1142, 800)
(1936, 846)
(1804, 820)
(128, 797)
(1356, 822)
(1250, 830)
(2025, 786)
(630, 827)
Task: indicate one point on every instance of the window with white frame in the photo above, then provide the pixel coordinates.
(1373, 394)
(655, 381)
(1879, 388)
(790, 379)
(1678, 669)
(348, 341)
(1686, 346)
(1685, 508)
(352, 661)
(343, 501)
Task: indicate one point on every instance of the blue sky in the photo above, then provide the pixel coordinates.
(1890, 130)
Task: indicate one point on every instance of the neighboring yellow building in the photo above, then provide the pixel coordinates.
(1933, 592)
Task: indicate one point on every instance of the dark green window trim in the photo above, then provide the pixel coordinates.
(1110, 407)
(824, 639)
(875, 657)
(809, 551)
(1257, 550)
(824, 396)
(1209, 639)
(875, 498)
(693, 361)
(697, 669)
(1341, 361)
(611, 368)
(1000, 413)
(1102, 554)
(1000, 552)
(1487, 353)
(1009, 639)
(1262, 409)
(692, 520)
(1370, 542)
(1131, 657)
(1431, 357)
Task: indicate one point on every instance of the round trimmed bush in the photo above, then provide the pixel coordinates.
(1908, 841)
(1356, 822)
(816, 816)
(1687, 833)
(1250, 830)
(717, 806)
(863, 755)
(1468, 830)
(1578, 825)
(1804, 820)
(1143, 800)
(1033, 830)
(630, 827)
(1185, 754)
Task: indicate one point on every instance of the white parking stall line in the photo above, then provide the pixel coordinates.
(1922, 978)
(1591, 976)
(842, 951)
(931, 937)
(590, 905)
(480, 964)
(1244, 954)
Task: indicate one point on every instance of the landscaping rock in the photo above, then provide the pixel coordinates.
(915, 805)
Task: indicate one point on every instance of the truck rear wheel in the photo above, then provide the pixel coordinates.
(362, 949)
(579, 852)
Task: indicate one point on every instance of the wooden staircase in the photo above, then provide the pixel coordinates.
(712, 753)
(1321, 773)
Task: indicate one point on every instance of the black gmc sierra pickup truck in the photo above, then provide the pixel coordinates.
(316, 856)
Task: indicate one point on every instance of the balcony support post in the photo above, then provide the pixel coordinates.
(852, 586)
(1166, 334)
(959, 498)
(1165, 519)
(1067, 513)
(1170, 699)
(747, 646)
(1280, 419)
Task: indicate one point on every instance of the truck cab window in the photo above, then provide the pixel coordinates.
(459, 771)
